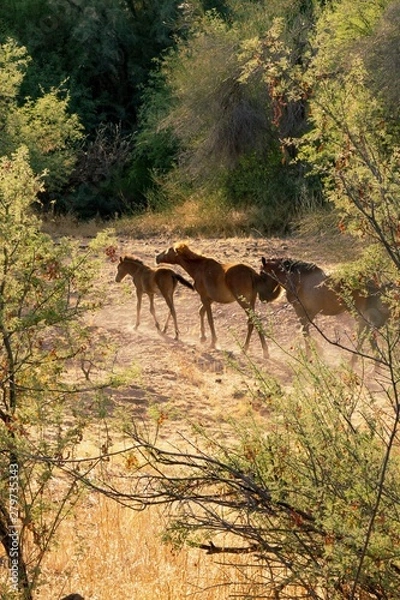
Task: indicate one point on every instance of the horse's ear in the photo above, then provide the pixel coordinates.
(121, 259)
(264, 262)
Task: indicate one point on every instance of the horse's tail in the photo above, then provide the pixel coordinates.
(184, 281)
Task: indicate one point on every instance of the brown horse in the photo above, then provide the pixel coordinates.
(310, 291)
(224, 283)
(152, 281)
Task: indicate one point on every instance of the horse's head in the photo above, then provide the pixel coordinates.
(169, 256)
(269, 289)
(272, 266)
(175, 253)
(127, 265)
(120, 270)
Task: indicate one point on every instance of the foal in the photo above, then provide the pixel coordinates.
(152, 281)
(224, 283)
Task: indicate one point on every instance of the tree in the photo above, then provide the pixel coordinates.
(103, 50)
(222, 106)
(44, 292)
(44, 126)
(353, 142)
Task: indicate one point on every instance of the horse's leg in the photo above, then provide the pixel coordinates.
(170, 303)
(165, 328)
(365, 329)
(305, 321)
(202, 312)
(139, 295)
(206, 309)
(248, 307)
(173, 313)
(305, 329)
(263, 342)
(153, 312)
(361, 334)
(250, 327)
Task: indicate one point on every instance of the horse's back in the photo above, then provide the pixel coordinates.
(315, 293)
(239, 276)
(225, 282)
(211, 281)
(146, 280)
(163, 281)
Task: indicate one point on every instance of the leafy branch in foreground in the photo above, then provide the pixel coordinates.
(314, 498)
(46, 288)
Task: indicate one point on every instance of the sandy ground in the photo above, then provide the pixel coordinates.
(185, 380)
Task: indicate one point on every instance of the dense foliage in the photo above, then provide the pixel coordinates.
(44, 126)
(204, 99)
(44, 288)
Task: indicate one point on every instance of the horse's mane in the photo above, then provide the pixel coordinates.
(291, 265)
(134, 259)
(183, 249)
(301, 266)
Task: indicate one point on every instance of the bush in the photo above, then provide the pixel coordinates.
(44, 293)
(275, 189)
(312, 495)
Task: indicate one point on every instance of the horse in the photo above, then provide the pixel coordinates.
(223, 283)
(152, 281)
(311, 291)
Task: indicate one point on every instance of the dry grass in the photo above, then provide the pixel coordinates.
(190, 219)
(193, 217)
(315, 233)
(109, 552)
(69, 226)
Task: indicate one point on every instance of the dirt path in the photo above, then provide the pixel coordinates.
(185, 381)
